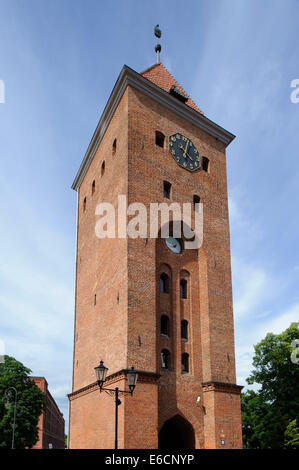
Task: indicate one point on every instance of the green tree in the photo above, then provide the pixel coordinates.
(254, 411)
(31, 402)
(267, 412)
(291, 435)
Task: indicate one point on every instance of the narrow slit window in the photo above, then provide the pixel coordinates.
(114, 147)
(183, 289)
(166, 189)
(196, 200)
(205, 164)
(164, 283)
(165, 359)
(103, 168)
(164, 325)
(185, 363)
(184, 329)
(93, 187)
(160, 138)
(84, 204)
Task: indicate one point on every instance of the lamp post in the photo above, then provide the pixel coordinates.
(8, 392)
(132, 375)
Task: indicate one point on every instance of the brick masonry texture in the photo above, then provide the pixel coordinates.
(51, 422)
(121, 325)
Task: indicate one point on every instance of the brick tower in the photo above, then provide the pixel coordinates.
(139, 301)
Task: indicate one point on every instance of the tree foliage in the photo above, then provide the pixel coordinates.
(31, 402)
(291, 435)
(267, 413)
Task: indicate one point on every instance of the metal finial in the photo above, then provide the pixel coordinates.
(158, 34)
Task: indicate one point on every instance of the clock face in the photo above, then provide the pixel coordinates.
(173, 244)
(184, 152)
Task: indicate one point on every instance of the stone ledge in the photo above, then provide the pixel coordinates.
(143, 376)
(223, 387)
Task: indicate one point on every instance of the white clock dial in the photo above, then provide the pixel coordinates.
(173, 244)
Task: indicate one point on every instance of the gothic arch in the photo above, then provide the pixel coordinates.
(164, 267)
(177, 433)
(184, 274)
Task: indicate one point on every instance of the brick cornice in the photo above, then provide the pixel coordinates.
(128, 77)
(224, 387)
(143, 377)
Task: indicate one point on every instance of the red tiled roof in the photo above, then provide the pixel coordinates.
(159, 75)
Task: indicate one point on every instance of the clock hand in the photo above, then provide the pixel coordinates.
(189, 156)
(182, 148)
(185, 151)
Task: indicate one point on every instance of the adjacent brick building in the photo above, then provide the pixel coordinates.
(51, 422)
(137, 302)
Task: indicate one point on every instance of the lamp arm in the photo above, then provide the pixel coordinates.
(127, 392)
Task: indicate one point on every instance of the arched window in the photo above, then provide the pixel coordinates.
(103, 168)
(93, 187)
(160, 139)
(196, 200)
(164, 283)
(185, 363)
(165, 359)
(164, 322)
(184, 329)
(205, 164)
(114, 147)
(84, 204)
(183, 289)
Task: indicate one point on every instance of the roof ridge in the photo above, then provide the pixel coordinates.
(150, 68)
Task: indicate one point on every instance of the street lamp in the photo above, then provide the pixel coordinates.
(7, 405)
(101, 373)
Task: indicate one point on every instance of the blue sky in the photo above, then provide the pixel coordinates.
(59, 60)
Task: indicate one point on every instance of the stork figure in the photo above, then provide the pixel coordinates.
(158, 34)
(157, 31)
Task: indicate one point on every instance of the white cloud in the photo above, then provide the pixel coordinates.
(248, 334)
(251, 286)
(280, 322)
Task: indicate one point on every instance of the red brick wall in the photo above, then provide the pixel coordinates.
(101, 271)
(51, 422)
(127, 333)
(211, 344)
(101, 264)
